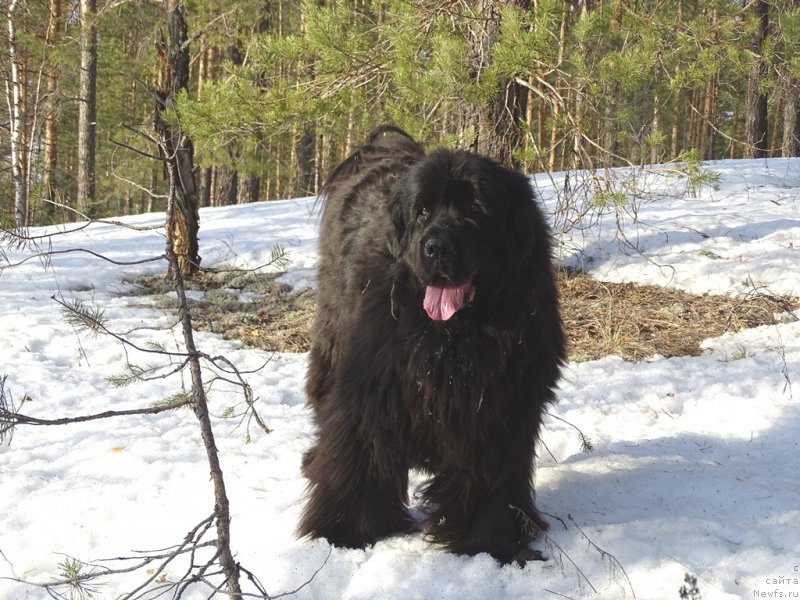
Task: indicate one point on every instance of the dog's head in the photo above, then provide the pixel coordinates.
(461, 223)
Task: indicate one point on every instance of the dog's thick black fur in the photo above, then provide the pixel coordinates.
(437, 344)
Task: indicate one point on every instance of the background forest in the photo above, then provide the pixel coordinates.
(277, 91)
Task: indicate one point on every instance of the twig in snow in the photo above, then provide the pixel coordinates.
(309, 580)
(563, 554)
(558, 594)
(76, 580)
(784, 365)
(586, 443)
(614, 563)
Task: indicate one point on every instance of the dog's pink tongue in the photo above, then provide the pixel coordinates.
(442, 302)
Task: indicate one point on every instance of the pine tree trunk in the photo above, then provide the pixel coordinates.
(562, 42)
(204, 187)
(675, 134)
(321, 160)
(694, 120)
(87, 108)
(205, 175)
(306, 163)
(655, 128)
(226, 178)
(51, 116)
(790, 145)
(776, 133)
(497, 122)
(541, 126)
(790, 138)
(609, 130)
(707, 131)
(756, 117)
(500, 135)
(178, 148)
(249, 190)
(226, 186)
(306, 148)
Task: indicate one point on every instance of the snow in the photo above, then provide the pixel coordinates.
(695, 463)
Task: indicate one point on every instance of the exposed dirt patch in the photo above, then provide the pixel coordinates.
(632, 321)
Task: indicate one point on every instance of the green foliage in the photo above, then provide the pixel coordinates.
(175, 400)
(605, 198)
(279, 257)
(75, 574)
(7, 411)
(698, 177)
(83, 317)
(608, 83)
(129, 375)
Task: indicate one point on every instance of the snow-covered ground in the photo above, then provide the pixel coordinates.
(696, 467)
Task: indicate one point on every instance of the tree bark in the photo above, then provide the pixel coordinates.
(87, 109)
(249, 190)
(15, 118)
(756, 117)
(225, 186)
(675, 133)
(655, 128)
(306, 148)
(790, 138)
(562, 42)
(204, 178)
(790, 134)
(790, 144)
(178, 150)
(306, 163)
(51, 116)
(707, 131)
(496, 123)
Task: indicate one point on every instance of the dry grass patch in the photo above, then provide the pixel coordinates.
(251, 307)
(632, 321)
(636, 321)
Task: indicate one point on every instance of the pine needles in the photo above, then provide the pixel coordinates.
(7, 410)
(83, 317)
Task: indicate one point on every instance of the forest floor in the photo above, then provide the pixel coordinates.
(600, 318)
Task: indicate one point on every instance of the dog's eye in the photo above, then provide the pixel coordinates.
(423, 214)
(475, 207)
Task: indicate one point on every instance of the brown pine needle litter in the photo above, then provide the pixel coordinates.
(637, 321)
(601, 319)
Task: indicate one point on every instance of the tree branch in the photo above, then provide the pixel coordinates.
(10, 418)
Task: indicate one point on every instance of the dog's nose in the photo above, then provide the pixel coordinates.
(439, 247)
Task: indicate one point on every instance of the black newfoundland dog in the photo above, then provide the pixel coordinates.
(437, 345)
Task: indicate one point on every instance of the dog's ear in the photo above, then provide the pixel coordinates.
(397, 232)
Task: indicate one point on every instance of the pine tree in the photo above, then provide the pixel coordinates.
(52, 102)
(757, 143)
(279, 91)
(87, 113)
(787, 49)
(176, 147)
